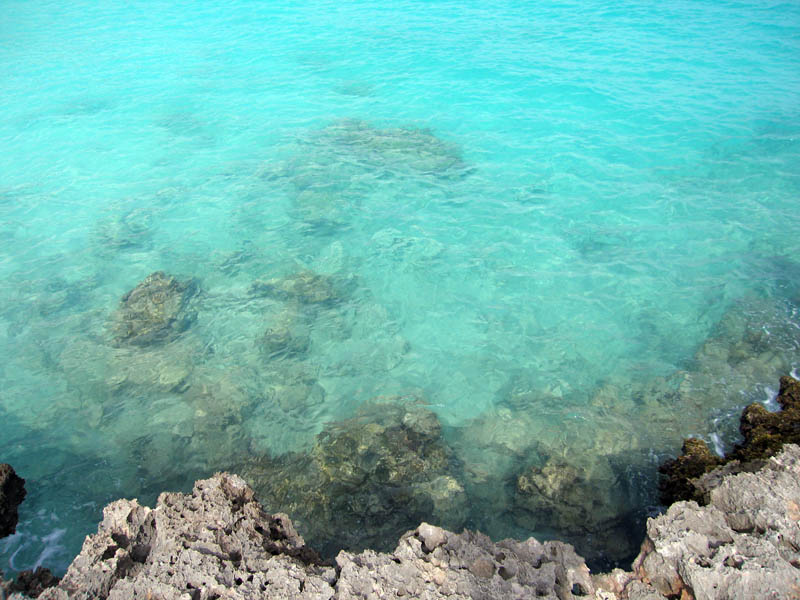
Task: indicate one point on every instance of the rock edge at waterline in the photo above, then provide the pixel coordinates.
(217, 542)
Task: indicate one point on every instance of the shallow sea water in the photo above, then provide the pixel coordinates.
(570, 230)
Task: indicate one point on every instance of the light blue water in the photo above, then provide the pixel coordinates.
(537, 216)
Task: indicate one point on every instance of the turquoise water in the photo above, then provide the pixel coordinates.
(572, 229)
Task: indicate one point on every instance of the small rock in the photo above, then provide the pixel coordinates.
(482, 567)
(432, 537)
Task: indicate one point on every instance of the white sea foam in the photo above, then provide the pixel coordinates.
(770, 399)
(52, 547)
(719, 447)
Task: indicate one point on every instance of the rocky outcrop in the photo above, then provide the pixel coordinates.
(744, 544)
(32, 583)
(155, 311)
(217, 542)
(12, 493)
(677, 475)
(579, 500)
(764, 433)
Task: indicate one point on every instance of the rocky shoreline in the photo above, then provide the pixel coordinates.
(218, 542)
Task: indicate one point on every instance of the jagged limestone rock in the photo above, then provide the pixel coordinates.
(217, 542)
(745, 544)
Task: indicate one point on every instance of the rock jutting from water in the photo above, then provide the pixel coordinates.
(744, 544)
(12, 493)
(155, 311)
(764, 434)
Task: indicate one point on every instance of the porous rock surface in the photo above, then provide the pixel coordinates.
(744, 544)
(217, 542)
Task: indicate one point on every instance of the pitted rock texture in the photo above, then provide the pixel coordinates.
(744, 544)
(12, 493)
(218, 543)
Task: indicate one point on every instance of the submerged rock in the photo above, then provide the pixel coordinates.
(366, 479)
(583, 501)
(217, 542)
(764, 434)
(394, 148)
(124, 231)
(305, 287)
(12, 493)
(286, 337)
(294, 388)
(339, 168)
(562, 496)
(155, 311)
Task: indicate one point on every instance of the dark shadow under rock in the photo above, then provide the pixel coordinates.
(582, 502)
(33, 583)
(12, 493)
(676, 475)
(155, 311)
(366, 479)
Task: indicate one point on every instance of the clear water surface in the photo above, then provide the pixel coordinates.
(570, 229)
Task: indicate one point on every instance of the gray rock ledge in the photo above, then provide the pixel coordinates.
(217, 542)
